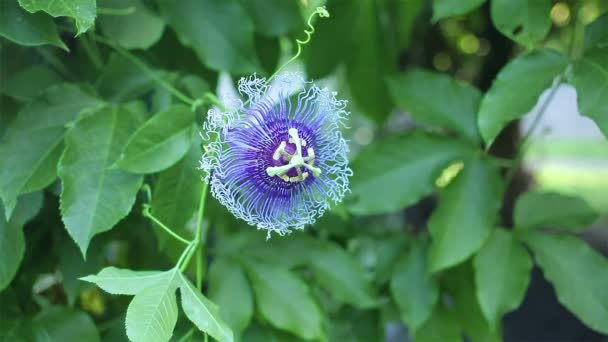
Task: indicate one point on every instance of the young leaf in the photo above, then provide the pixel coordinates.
(124, 282)
(578, 274)
(285, 300)
(202, 312)
(502, 274)
(457, 109)
(516, 90)
(152, 314)
(590, 76)
(12, 239)
(27, 29)
(524, 21)
(415, 291)
(220, 32)
(94, 197)
(139, 29)
(413, 161)
(466, 214)
(160, 142)
(230, 290)
(548, 209)
(342, 275)
(58, 323)
(34, 140)
(449, 8)
(82, 11)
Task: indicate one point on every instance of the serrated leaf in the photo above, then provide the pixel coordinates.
(590, 77)
(34, 140)
(274, 18)
(450, 8)
(578, 274)
(516, 89)
(415, 92)
(82, 11)
(27, 29)
(122, 80)
(30, 82)
(413, 288)
(412, 161)
(208, 26)
(12, 239)
(502, 274)
(230, 290)
(596, 33)
(342, 275)
(466, 213)
(61, 324)
(285, 300)
(152, 314)
(94, 197)
(160, 142)
(524, 21)
(202, 312)
(549, 209)
(139, 29)
(124, 282)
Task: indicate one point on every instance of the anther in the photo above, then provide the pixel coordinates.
(295, 161)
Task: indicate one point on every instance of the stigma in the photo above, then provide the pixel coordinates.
(302, 165)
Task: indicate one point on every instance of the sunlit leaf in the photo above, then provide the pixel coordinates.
(526, 22)
(124, 282)
(82, 11)
(549, 209)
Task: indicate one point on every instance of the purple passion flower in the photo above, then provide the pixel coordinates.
(278, 159)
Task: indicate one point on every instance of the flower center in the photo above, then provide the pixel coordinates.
(294, 161)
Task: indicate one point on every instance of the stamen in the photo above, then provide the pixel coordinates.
(295, 161)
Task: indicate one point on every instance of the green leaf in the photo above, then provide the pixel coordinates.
(404, 14)
(161, 142)
(596, 34)
(12, 239)
(94, 197)
(30, 82)
(122, 80)
(34, 140)
(466, 213)
(61, 324)
(415, 91)
(502, 274)
(413, 161)
(274, 18)
(517, 89)
(450, 8)
(220, 32)
(27, 29)
(82, 11)
(342, 275)
(202, 312)
(441, 326)
(524, 21)
(177, 192)
(230, 290)
(285, 300)
(578, 274)
(590, 76)
(152, 314)
(72, 267)
(13, 323)
(415, 291)
(139, 29)
(124, 282)
(549, 209)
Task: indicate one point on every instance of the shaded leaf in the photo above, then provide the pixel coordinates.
(578, 274)
(30, 82)
(160, 142)
(524, 21)
(94, 197)
(596, 33)
(137, 30)
(27, 29)
(82, 11)
(416, 91)
(502, 275)
(122, 80)
(449, 8)
(412, 161)
(441, 326)
(274, 17)
(34, 140)
(467, 211)
(590, 77)
(202, 312)
(516, 89)
(62, 324)
(413, 288)
(124, 282)
(549, 209)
